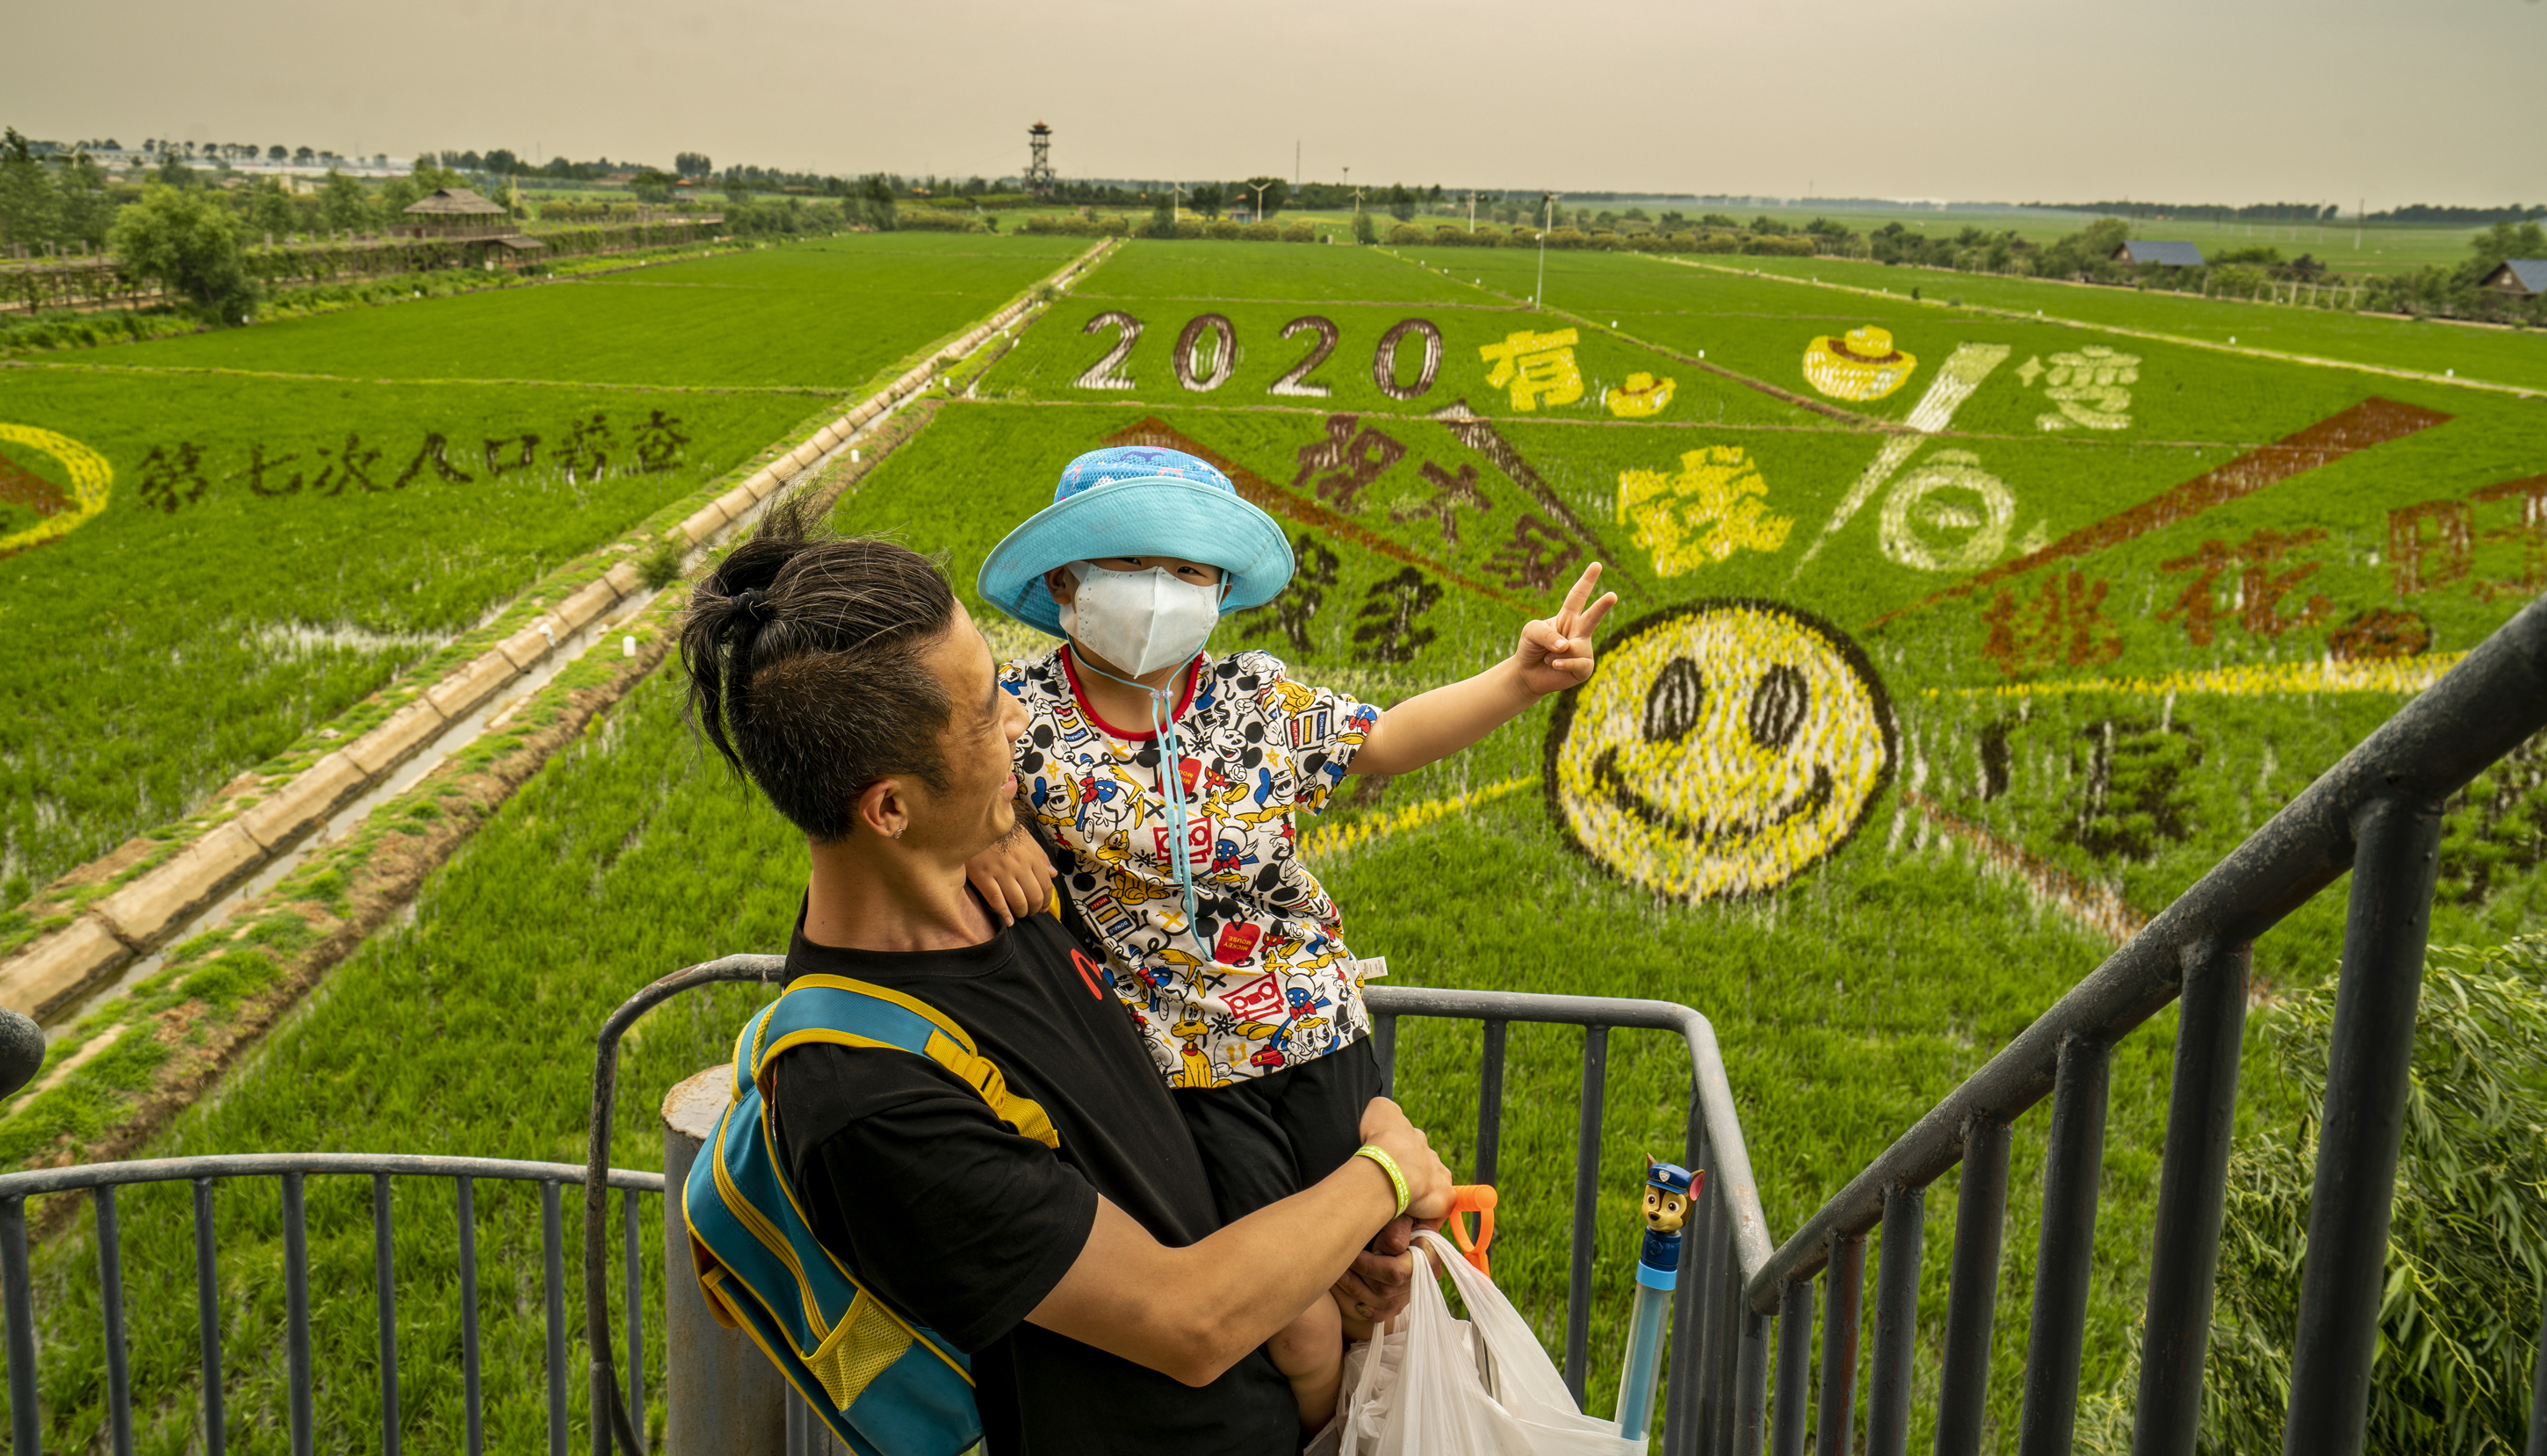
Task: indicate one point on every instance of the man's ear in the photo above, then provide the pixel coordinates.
(882, 809)
(1062, 584)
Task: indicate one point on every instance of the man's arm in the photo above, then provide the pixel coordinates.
(1191, 1313)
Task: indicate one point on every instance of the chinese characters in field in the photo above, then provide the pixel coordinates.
(1538, 368)
(1715, 505)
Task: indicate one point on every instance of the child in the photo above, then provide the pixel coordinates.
(1169, 778)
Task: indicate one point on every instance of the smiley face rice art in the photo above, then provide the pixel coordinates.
(1721, 748)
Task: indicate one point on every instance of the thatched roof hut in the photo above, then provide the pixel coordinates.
(453, 204)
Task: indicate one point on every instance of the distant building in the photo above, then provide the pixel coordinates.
(2165, 254)
(2522, 278)
(438, 212)
(459, 214)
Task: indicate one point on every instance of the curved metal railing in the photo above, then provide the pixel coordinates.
(102, 1179)
(2377, 813)
(1716, 1393)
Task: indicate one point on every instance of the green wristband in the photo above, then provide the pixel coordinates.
(1388, 1165)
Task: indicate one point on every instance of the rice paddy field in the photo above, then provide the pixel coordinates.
(2482, 353)
(1951, 643)
(211, 545)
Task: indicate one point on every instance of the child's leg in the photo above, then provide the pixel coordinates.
(1310, 1353)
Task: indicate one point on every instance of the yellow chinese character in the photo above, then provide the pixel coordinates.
(1538, 367)
(2091, 387)
(1716, 506)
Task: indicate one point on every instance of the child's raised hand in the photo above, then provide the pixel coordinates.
(1555, 653)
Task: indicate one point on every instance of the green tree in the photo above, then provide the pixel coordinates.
(30, 207)
(874, 203)
(1207, 199)
(87, 212)
(188, 242)
(270, 210)
(343, 203)
(396, 195)
(652, 186)
(1366, 228)
(1401, 203)
(2507, 240)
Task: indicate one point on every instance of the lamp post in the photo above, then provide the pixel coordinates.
(1548, 204)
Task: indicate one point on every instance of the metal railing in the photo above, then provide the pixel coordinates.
(1718, 1354)
(292, 1169)
(1718, 1383)
(2377, 813)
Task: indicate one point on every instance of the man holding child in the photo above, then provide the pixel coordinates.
(1180, 1271)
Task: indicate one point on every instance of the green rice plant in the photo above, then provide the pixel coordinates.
(2458, 1323)
(1237, 272)
(273, 551)
(827, 314)
(2105, 653)
(2497, 356)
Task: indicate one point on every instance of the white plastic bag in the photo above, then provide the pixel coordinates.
(1419, 1391)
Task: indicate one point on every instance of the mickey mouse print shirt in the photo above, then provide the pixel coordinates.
(1261, 979)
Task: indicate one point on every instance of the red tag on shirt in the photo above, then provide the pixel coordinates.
(1259, 999)
(1236, 942)
(1191, 770)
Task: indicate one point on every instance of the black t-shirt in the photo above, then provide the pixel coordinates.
(964, 1226)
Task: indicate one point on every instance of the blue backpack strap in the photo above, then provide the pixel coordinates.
(839, 1011)
(886, 1386)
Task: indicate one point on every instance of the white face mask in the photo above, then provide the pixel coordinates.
(1139, 620)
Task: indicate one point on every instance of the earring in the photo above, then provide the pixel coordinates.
(898, 832)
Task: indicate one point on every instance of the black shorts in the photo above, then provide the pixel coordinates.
(1267, 1138)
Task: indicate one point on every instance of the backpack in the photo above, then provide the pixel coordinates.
(885, 1385)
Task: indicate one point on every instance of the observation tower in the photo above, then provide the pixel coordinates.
(1039, 160)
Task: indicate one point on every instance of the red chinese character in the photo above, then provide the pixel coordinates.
(2064, 626)
(2259, 591)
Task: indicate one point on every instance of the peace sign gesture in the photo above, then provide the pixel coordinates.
(1555, 653)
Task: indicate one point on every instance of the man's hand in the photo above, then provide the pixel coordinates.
(1382, 1277)
(1013, 877)
(1555, 653)
(1428, 1178)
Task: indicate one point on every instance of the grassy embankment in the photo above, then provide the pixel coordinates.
(1847, 1002)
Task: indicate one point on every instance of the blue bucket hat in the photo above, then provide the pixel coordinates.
(1137, 501)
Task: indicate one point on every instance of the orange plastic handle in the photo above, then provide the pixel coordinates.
(1478, 1199)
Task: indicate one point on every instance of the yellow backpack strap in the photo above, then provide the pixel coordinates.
(838, 1012)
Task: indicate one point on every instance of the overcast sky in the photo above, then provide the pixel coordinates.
(2232, 100)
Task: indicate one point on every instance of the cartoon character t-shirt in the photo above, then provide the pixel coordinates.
(1261, 979)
